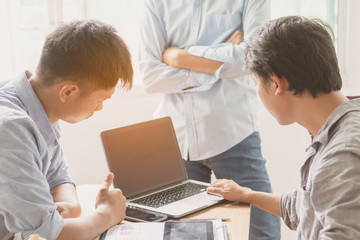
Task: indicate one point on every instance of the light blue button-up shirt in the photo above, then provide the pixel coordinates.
(31, 163)
(210, 114)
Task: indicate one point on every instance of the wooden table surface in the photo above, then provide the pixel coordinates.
(238, 214)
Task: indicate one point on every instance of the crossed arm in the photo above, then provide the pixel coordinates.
(181, 58)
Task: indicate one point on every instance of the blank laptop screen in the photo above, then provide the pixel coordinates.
(143, 156)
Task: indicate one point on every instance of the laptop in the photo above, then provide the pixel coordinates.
(148, 168)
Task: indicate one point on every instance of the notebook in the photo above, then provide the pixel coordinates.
(146, 161)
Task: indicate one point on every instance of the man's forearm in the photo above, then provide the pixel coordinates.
(199, 64)
(266, 201)
(88, 227)
(181, 58)
(231, 191)
(65, 192)
(65, 198)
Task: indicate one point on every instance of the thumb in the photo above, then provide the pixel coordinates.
(108, 181)
(214, 190)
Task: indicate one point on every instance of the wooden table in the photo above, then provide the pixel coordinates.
(237, 213)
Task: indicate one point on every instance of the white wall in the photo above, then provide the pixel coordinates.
(283, 146)
(349, 47)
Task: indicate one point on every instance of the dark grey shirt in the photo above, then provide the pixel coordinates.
(327, 204)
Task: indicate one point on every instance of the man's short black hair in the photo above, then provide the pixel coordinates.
(298, 49)
(87, 52)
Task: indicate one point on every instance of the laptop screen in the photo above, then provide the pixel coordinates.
(143, 156)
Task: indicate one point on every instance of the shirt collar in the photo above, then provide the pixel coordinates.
(335, 116)
(35, 109)
(322, 138)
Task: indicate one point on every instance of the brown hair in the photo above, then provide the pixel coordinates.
(89, 53)
(298, 49)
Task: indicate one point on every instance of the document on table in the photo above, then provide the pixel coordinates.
(170, 230)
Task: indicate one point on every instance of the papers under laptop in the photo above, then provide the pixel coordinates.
(146, 161)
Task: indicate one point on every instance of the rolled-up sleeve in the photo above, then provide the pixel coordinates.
(288, 209)
(26, 203)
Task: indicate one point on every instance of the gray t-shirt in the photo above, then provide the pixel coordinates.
(327, 204)
(32, 163)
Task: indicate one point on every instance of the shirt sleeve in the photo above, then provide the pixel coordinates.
(288, 209)
(27, 206)
(335, 193)
(255, 13)
(157, 76)
(58, 170)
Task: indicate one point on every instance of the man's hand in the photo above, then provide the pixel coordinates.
(111, 203)
(229, 190)
(66, 201)
(109, 210)
(68, 210)
(172, 56)
(236, 38)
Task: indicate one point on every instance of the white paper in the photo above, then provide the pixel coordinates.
(155, 231)
(136, 231)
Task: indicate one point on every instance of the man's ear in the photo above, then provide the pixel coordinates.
(67, 91)
(281, 84)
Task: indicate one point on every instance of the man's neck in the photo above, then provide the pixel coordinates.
(312, 113)
(45, 96)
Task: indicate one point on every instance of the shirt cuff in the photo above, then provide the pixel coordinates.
(203, 82)
(224, 52)
(287, 209)
(61, 181)
(50, 228)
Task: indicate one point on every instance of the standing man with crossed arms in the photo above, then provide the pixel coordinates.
(192, 52)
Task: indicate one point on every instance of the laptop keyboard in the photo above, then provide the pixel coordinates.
(173, 194)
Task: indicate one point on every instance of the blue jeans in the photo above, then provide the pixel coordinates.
(245, 165)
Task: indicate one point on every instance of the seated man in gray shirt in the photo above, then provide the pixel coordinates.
(293, 62)
(80, 66)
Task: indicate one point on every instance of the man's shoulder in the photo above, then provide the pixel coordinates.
(8, 96)
(11, 107)
(348, 125)
(14, 118)
(345, 134)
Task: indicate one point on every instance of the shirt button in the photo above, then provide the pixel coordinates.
(188, 122)
(197, 2)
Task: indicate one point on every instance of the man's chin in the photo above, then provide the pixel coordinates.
(285, 122)
(72, 121)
